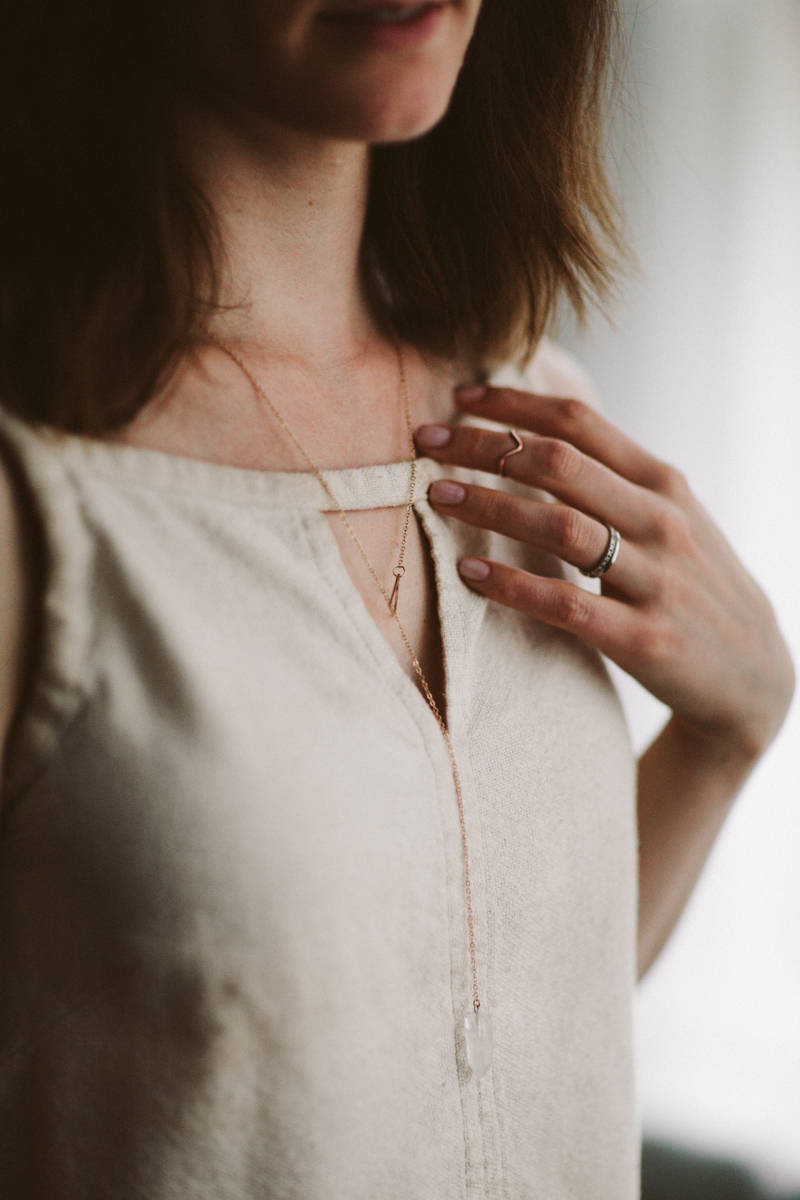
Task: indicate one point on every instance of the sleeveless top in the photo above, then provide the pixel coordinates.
(233, 938)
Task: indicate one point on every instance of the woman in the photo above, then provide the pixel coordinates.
(249, 891)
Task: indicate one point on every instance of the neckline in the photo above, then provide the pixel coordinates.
(374, 485)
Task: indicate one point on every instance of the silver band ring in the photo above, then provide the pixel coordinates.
(609, 556)
(515, 450)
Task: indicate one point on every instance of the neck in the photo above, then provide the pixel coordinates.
(290, 211)
(290, 208)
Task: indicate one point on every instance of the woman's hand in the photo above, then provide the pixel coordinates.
(677, 609)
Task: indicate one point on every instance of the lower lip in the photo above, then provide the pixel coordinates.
(392, 34)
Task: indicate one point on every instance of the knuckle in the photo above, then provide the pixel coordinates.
(665, 644)
(515, 590)
(569, 528)
(658, 589)
(653, 642)
(495, 505)
(505, 396)
(670, 529)
(569, 607)
(558, 459)
(670, 482)
(572, 412)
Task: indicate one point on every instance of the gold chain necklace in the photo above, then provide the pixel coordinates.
(476, 1024)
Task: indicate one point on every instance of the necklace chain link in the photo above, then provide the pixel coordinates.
(391, 600)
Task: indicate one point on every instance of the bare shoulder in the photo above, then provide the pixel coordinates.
(553, 371)
(15, 590)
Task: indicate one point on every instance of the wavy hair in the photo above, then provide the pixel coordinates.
(109, 253)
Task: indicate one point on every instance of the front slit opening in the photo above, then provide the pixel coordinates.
(433, 647)
(440, 686)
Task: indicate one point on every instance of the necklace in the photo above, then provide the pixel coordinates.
(476, 1024)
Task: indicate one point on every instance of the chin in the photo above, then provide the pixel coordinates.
(388, 106)
(325, 76)
(354, 85)
(404, 122)
(396, 79)
(359, 112)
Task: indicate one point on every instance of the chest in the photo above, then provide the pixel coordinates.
(380, 532)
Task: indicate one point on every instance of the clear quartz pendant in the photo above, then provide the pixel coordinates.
(478, 1031)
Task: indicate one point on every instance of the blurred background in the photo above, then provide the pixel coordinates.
(703, 368)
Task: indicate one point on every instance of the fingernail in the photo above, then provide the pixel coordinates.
(433, 435)
(473, 568)
(470, 393)
(446, 492)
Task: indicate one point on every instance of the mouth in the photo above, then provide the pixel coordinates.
(387, 23)
(384, 14)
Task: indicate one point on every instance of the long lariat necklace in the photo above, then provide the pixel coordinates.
(475, 1024)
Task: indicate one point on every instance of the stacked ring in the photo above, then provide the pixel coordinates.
(609, 556)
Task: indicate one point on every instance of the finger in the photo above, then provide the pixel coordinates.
(574, 422)
(610, 626)
(551, 465)
(554, 528)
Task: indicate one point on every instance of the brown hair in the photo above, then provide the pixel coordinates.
(472, 233)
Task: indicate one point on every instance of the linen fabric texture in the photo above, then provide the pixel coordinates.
(233, 939)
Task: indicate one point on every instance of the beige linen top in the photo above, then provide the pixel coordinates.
(233, 936)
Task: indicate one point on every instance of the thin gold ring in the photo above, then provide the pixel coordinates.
(516, 449)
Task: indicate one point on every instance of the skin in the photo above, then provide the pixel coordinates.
(281, 148)
(279, 141)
